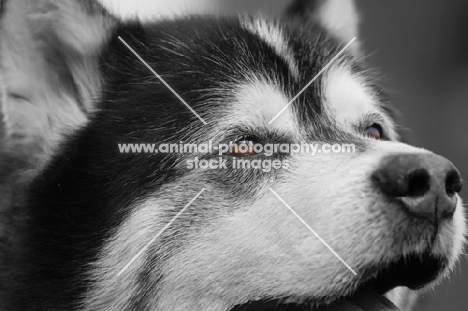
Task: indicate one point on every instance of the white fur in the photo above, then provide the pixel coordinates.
(110, 291)
(258, 102)
(260, 250)
(147, 10)
(347, 100)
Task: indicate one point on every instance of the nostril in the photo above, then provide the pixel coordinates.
(419, 183)
(453, 183)
(425, 184)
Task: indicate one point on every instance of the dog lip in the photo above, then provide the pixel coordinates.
(413, 271)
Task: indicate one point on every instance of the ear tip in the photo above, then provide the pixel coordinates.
(47, 48)
(340, 17)
(76, 26)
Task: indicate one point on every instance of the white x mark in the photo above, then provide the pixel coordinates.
(312, 230)
(159, 233)
(161, 79)
(312, 81)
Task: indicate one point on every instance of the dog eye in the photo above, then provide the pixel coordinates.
(243, 146)
(374, 131)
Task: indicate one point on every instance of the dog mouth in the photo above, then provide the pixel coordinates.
(413, 271)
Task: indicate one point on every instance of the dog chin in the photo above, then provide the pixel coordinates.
(413, 271)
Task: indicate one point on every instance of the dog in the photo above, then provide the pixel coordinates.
(90, 227)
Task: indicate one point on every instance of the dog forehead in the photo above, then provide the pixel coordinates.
(345, 100)
(258, 102)
(274, 35)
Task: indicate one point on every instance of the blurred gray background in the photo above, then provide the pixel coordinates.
(421, 48)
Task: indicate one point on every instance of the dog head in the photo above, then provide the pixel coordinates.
(319, 227)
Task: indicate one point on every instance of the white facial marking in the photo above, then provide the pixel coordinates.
(261, 250)
(258, 102)
(346, 97)
(271, 33)
(347, 100)
(111, 291)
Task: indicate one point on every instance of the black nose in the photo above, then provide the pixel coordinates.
(425, 183)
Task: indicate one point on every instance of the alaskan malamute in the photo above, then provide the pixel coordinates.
(98, 222)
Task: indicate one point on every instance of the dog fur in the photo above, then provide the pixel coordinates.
(71, 91)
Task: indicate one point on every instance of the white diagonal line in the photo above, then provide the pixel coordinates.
(159, 233)
(312, 81)
(161, 79)
(312, 230)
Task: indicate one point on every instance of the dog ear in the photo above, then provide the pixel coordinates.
(158, 9)
(49, 66)
(340, 17)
